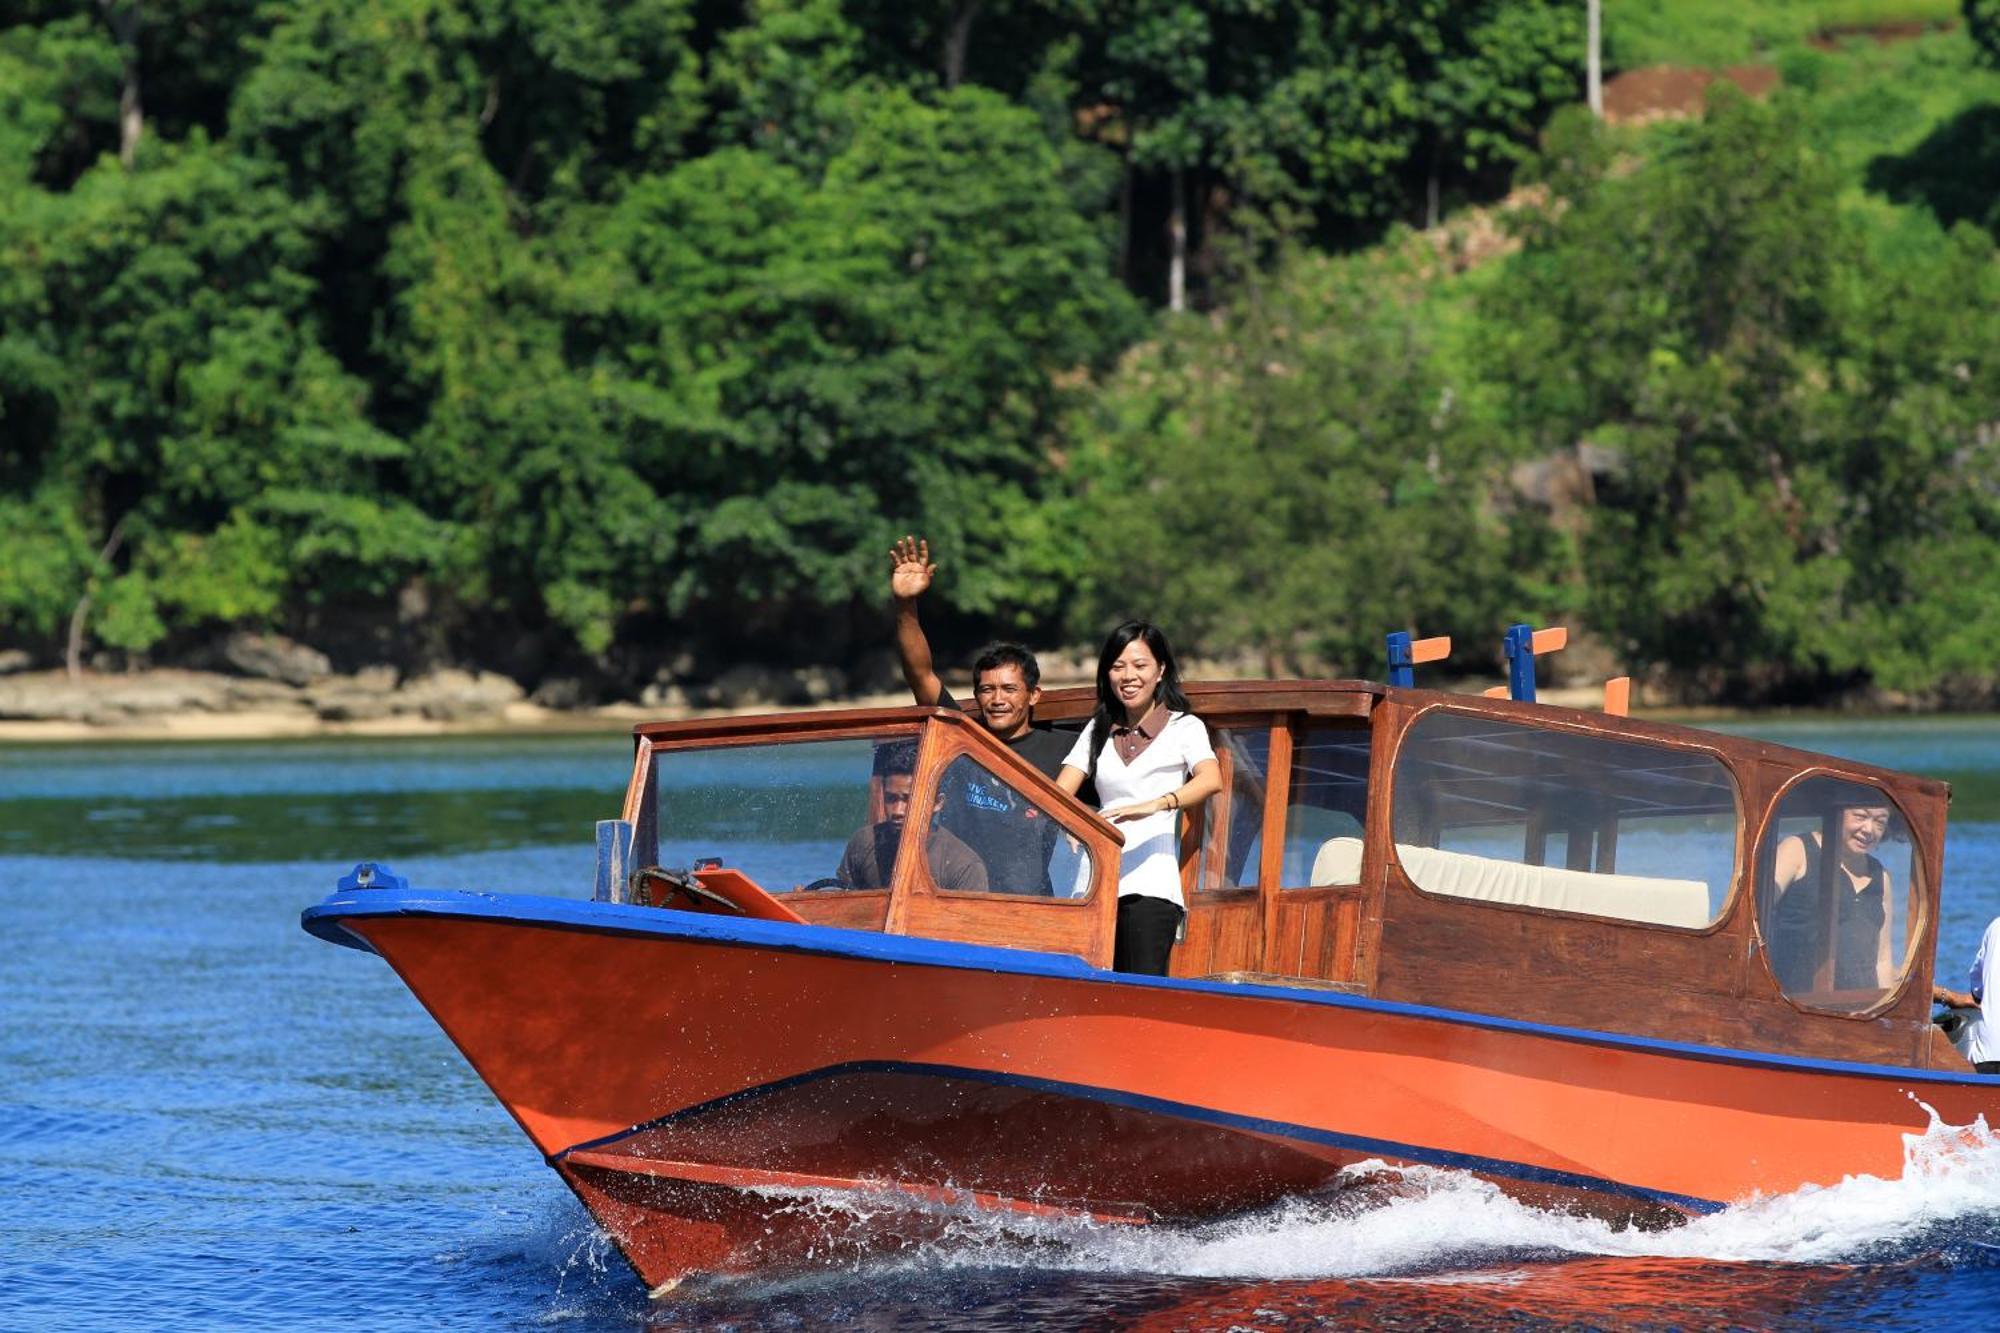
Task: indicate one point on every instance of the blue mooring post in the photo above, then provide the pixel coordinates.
(1402, 665)
(1519, 645)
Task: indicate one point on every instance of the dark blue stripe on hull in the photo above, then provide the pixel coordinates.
(1278, 1129)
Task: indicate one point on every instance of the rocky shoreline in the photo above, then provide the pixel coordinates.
(263, 686)
(180, 704)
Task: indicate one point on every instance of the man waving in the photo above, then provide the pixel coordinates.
(1006, 682)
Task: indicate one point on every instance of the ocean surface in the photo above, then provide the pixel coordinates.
(210, 1119)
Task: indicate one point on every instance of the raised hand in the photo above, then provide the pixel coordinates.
(911, 572)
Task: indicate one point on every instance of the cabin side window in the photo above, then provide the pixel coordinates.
(1836, 904)
(987, 836)
(1327, 805)
(1233, 823)
(1565, 820)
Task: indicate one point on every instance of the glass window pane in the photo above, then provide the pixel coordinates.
(1564, 820)
(1837, 929)
(788, 816)
(1328, 805)
(989, 837)
(1236, 819)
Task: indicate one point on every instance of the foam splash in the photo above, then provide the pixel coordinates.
(1388, 1226)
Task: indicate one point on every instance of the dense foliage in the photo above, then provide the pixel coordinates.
(571, 338)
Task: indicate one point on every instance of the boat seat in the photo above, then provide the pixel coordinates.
(1664, 902)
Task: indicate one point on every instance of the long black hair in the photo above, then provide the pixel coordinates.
(1110, 708)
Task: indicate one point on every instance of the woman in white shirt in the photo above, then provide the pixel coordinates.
(1150, 758)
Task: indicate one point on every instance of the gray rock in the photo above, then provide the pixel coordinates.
(45, 696)
(666, 695)
(451, 695)
(164, 692)
(262, 694)
(13, 660)
(877, 671)
(746, 686)
(560, 692)
(354, 705)
(379, 679)
(817, 685)
(275, 657)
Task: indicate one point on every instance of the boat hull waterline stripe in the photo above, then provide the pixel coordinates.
(326, 921)
(1385, 1148)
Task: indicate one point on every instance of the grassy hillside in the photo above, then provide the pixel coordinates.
(1735, 32)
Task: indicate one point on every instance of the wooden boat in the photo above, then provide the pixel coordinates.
(1543, 945)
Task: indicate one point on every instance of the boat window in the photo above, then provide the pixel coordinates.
(1233, 824)
(824, 815)
(990, 837)
(1328, 804)
(1837, 929)
(1565, 820)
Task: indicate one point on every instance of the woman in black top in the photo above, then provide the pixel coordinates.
(1860, 915)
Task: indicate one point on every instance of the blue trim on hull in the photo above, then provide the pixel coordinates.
(1277, 1129)
(326, 920)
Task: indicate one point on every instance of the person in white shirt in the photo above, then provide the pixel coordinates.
(1978, 1037)
(1150, 758)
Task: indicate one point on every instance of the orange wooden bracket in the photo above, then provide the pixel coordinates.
(1431, 650)
(1618, 696)
(1497, 692)
(1549, 640)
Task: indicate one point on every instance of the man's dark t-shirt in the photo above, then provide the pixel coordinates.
(1012, 835)
(1041, 745)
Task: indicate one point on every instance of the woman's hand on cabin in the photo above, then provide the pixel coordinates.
(1952, 999)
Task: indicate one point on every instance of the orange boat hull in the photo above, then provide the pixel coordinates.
(701, 1081)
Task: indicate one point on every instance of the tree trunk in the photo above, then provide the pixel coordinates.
(123, 20)
(73, 649)
(956, 40)
(1594, 58)
(1177, 235)
(1124, 269)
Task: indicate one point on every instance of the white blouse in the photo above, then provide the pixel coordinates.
(1151, 864)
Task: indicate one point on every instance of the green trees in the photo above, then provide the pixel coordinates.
(1982, 24)
(1787, 464)
(547, 334)
(1295, 477)
(166, 398)
(564, 317)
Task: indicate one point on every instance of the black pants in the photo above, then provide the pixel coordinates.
(1146, 929)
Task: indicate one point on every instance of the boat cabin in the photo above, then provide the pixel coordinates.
(1469, 853)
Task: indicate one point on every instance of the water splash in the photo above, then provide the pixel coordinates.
(1415, 1246)
(1390, 1222)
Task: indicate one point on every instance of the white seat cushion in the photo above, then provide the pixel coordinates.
(1665, 902)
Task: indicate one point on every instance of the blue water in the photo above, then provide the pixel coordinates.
(210, 1119)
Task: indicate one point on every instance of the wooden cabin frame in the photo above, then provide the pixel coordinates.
(1384, 936)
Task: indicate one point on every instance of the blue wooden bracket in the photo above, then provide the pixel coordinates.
(1523, 644)
(1405, 652)
(1402, 667)
(1519, 645)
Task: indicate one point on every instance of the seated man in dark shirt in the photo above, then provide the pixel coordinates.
(870, 857)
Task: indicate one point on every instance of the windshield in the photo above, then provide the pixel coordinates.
(804, 814)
